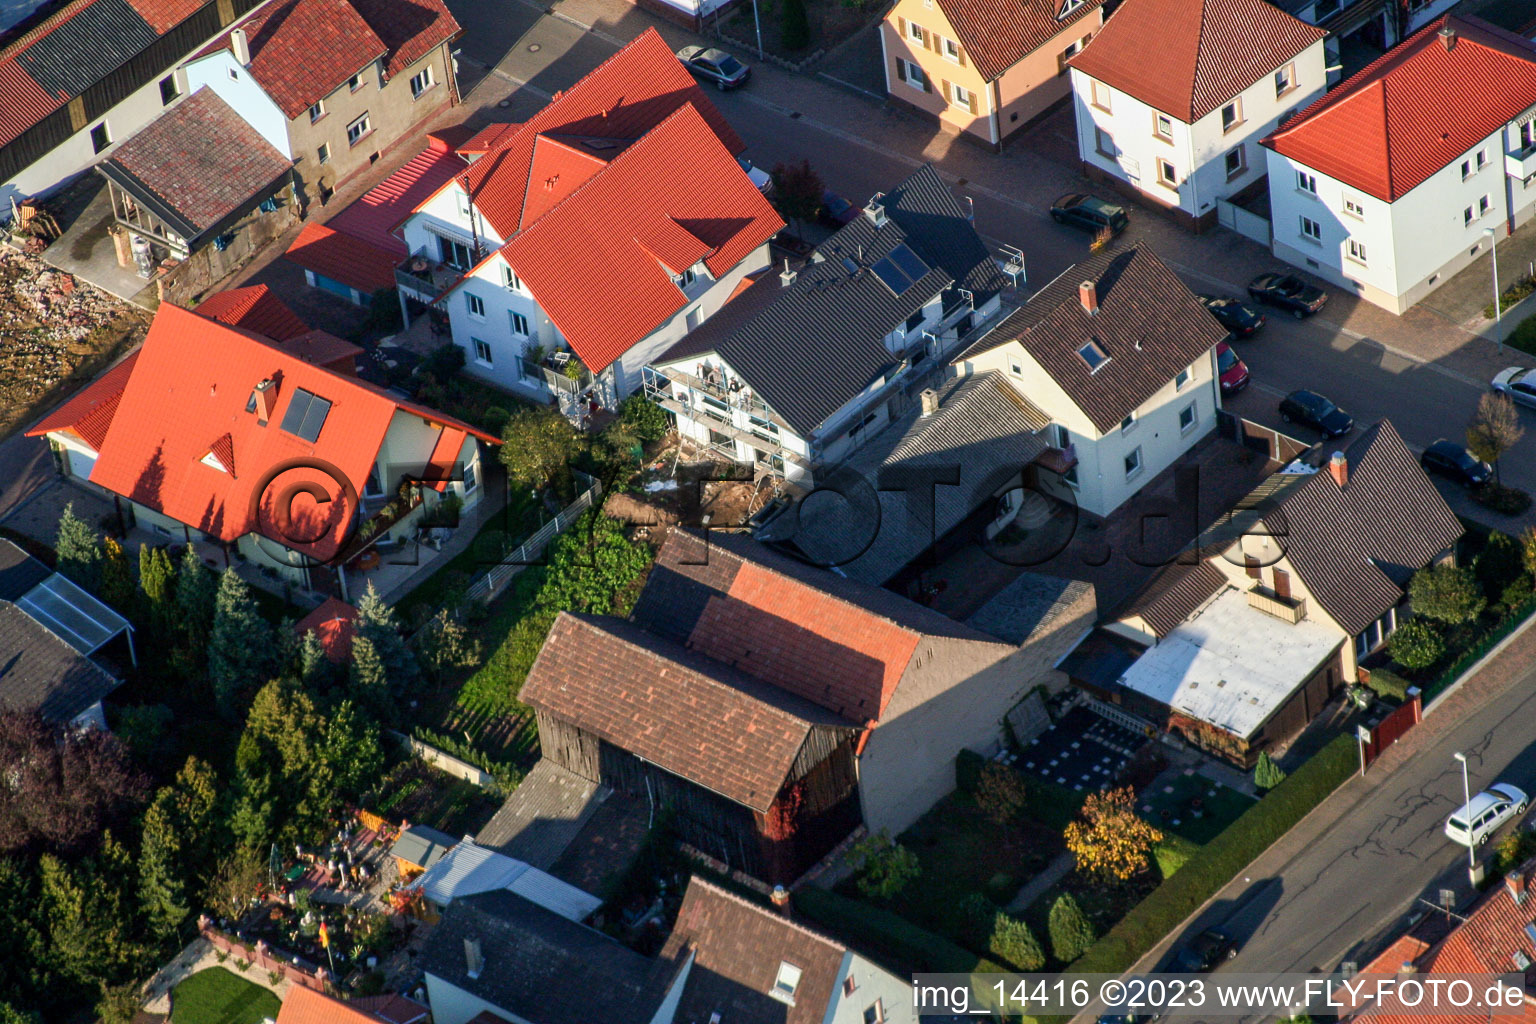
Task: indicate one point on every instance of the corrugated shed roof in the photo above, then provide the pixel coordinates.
(1173, 594)
(86, 47)
(1148, 323)
(377, 212)
(1188, 57)
(40, 672)
(997, 34)
(19, 571)
(1416, 109)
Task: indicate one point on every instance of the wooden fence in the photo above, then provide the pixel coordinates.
(489, 585)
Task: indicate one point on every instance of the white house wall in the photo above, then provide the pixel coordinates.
(871, 984)
(236, 87)
(452, 1005)
(76, 153)
(495, 328)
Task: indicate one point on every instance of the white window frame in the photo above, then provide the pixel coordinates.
(175, 90)
(914, 32)
(1355, 250)
(1101, 95)
(1182, 378)
(1192, 410)
(466, 208)
(482, 351)
(474, 304)
(1242, 162)
(425, 80)
(1285, 80)
(960, 96)
(1236, 107)
(1481, 159)
(520, 324)
(316, 111)
(355, 82)
(1484, 204)
(323, 153)
(952, 51)
(1129, 423)
(359, 129)
(1311, 230)
(916, 77)
(1068, 6)
(1467, 218)
(1306, 183)
(509, 278)
(1167, 174)
(1158, 121)
(1466, 169)
(1354, 208)
(1100, 136)
(1016, 366)
(471, 481)
(786, 982)
(1134, 456)
(106, 136)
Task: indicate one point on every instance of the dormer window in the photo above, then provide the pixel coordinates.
(212, 462)
(1093, 355)
(1068, 6)
(785, 984)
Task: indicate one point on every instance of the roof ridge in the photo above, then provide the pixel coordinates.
(721, 891)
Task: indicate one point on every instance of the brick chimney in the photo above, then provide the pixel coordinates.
(264, 397)
(780, 899)
(1448, 36)
(1088, 294)
(1515, 880)
(930, 400)
(1338, 468)
(240, 46)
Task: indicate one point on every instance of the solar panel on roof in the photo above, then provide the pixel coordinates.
(909, 262)
(306, 415)
(891, 274)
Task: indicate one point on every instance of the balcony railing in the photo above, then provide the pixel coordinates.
(1521, 163)
(1058, 460)
(426, 275)
(716, 387)
(1291, 610)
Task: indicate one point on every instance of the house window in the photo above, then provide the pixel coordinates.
(1181, 379)
(1016, 367)
(1188, 417)
(471, 478)
(1356, 250)
(1105, 143)
(1133, 462)
(1306, 182)
(509, 278)
(1071, 51)
(1467, 218)
(916, 320)
(482, 352)
(455, 254)
(101, 137)
(952, 51)
(1285, 80)
(1166, 173)
(1311, 230)
(961, 97)
(476, 305)
(168, 90)
(1162, 127)
(915, 77)
(1100, 95)
(1354, 208)
(785, 983)
(358, 130)
(687, 278)
(1482, 205)
(1236, 162)
(849, 986)
(1128, 423)
(1482, 159)
(234, 76)
(323, 154)
(421, 81)
(875, 1012)
(915, 32)
(374, 488)
(1093, 355)
(355, 83)
(694, 318)
(520, 324)
(1231, 115)
(1466, 169)
(317, 111)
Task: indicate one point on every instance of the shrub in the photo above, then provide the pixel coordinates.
(1001, 794)
(885, 867)
(906, 946)
(494, 419)
(1446, 592)
(1071, 932)
(444, 361)
(1517, 593)
(1013, 942)
(1386, 683)
(795, 26)
(1513, 850)
(968, 768)
(506, 776)
(1499, 563)
(976, 916)
(1416, 645)
(1266, 774)
(645, 419)
(1508, 501)
(1215, 864)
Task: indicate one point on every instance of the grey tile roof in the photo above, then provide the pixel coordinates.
(543, 815)
(1173, 594)
(808, 349)
(88, 47)
(39, 672)
(19, 571)
(422, 845)
(541, 966)
(1027, 606)
(1355, 548)
(1148, 322)
(984, 429)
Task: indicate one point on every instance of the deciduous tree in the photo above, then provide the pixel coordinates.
(1446, 592)
(797, 193)
(1001, 793)
(1494, 429)
(1109, 840)
(538, 445)
(885, 867)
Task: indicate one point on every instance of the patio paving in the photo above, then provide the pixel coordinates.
(1083, 751)
(86, 250)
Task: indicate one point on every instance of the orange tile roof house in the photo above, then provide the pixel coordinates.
(1404, 174)
(331, 84)
(80, 77)
(984, 68)
(605, 227)
(1173, 96)
(780, 705)
(214, 433)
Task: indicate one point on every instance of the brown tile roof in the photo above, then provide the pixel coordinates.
(694, 717)
(200, 160)
(997, 34)
(738, 947)
(1187, 57)
(1173, 594)
(1356, 548)
(1148, 322)
(409, 28)
(342, 257)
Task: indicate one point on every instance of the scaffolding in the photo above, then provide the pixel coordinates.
(771, 456)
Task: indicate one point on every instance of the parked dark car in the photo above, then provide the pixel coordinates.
(1230, 370)
(836, 211)
(1238, 317)
(715, 66)
(1452, 460)
(1089, 213)
(1287, 292)
(1317, 412)
(1205, 951)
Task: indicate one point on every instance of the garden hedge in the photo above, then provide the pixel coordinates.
(1220, 860)
(968, 769)
(1386, 683)
(887, 936)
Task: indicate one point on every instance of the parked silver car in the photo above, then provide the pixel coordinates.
(1473, 824)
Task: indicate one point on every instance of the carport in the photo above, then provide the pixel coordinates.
(76, 617)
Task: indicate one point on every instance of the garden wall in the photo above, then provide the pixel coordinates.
(447, 762)
(260, 958)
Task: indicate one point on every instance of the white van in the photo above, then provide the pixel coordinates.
(1487, 811)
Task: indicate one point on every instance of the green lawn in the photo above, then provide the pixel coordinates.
(1176, 812)
(220, 996)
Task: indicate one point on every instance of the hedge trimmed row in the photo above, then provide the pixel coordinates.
(1386, 683)
(1485, 643)
(1217, 862)
(887, 936)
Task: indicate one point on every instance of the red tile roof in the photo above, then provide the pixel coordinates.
(189, 388)
(255, 308)
(303, 50)
(343, 258)
(1188, 57)
(1416, 109)
(325, 350)
(201, 159)
(334, 623)
(306, 1006)
(164, 15)
(89, 411)
(486, 138)
(630, 227)
(377, 212)
(997, 34)
(410, 28)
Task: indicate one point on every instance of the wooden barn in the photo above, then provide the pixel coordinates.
(755, 775)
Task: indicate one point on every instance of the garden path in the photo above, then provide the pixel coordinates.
(1042, 883)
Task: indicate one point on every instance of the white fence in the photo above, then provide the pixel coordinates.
(1244, 222)
(447, 762)
(489, 585)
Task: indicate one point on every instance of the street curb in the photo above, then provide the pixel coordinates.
(856, 89)
(1477, 666)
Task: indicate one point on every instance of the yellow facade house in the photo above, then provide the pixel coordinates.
(984, 68)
